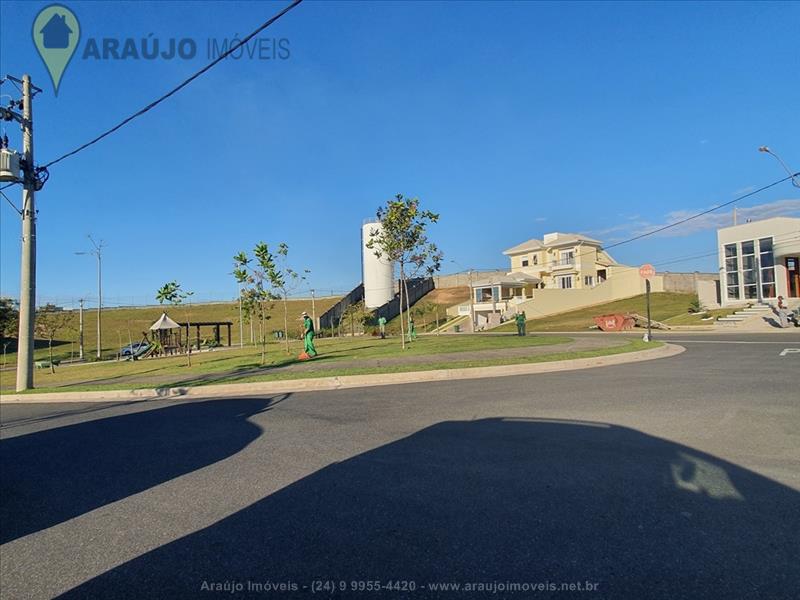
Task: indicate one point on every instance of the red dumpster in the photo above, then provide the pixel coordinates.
(615, 322)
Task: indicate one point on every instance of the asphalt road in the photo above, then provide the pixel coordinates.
(677, 478)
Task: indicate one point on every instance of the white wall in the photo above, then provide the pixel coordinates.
(378, 273)
(622, 283)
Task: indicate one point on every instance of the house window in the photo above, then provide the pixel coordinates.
(749, 273)
(565, 283)
(524, 262)
(535, 259)
(567, 257)
(588, 280)
(732, 271)
(767, 266)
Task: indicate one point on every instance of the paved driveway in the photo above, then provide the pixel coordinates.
(668, 479)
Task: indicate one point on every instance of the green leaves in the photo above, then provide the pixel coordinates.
(50, 319)
(172, 293)
(269, 280)
(403, 237)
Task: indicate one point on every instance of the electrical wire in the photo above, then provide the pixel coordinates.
(682, 221)
(14, 206)
(176, 89)
(700, 214)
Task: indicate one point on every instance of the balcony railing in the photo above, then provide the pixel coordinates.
(562, 262)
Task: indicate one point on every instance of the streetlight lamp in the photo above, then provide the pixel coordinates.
(97, 252)
(314, 310)
(766, 150)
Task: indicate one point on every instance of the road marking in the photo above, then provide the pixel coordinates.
(668, 339)
(787, 351)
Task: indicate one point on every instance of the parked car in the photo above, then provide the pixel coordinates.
(134, 349)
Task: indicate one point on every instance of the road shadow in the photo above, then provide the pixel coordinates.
(57, 474)
(234, 375)
(498, 501)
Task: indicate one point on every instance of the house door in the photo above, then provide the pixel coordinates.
(793, 277)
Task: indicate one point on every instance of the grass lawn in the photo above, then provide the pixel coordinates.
(240, 363)
(122, 324)
(663, 306)
(633, 345)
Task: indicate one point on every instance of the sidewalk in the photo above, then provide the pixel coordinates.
(348, 381)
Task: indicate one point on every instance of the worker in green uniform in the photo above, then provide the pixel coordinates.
(520, 320)
(308, 335)
(382, 326)
(412, 330)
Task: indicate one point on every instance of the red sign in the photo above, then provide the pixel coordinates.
(647, 271)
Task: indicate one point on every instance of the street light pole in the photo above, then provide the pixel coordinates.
(98, 253)
(471, 296)
(793, 176)
(99, 304)
(241, 323)
(80, 332)
(313, 310)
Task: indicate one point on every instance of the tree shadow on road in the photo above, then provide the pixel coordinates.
(500, 500)
(57, 474)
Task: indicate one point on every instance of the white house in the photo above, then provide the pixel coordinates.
(759, 261)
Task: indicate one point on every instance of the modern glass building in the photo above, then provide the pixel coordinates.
(760, 261)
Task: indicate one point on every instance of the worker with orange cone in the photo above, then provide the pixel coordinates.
(309, 351)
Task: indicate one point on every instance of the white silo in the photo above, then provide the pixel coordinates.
(377, 273)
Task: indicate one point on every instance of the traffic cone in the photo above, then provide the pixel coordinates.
(304, 356)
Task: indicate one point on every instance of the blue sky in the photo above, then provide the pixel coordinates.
(511, 120)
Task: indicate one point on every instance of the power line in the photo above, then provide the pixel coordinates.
(700, 214)
(176, 89)
(682, 221)
(14, 206)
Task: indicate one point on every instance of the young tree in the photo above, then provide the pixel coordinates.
(283, 280)
(8, 323)
(403, 239)
(356, 315)
(50, 320)
(171, 293)
(423, 310)
(256, 297)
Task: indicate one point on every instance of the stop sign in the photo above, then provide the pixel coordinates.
(647, 271)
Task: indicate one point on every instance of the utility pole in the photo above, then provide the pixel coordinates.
(80, 331)
(241, 323)
(27, 285)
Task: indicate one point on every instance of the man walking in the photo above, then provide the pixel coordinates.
(308, 335)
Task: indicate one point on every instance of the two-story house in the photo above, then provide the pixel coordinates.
(562, 260)
(559, 261)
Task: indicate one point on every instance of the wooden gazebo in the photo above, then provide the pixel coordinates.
(215, 325)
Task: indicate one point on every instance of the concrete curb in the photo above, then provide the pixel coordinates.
(347, 381)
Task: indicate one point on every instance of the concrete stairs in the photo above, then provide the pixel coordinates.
(756, 313)
(462, 321)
